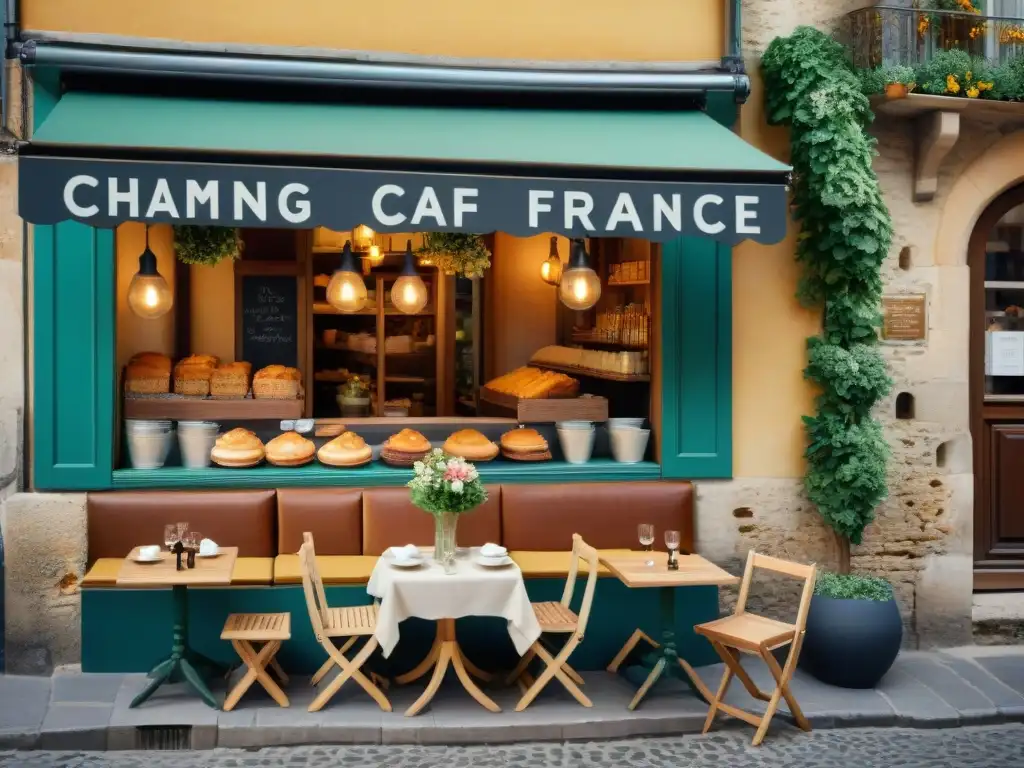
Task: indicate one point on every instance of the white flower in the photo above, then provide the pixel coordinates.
(456, 486)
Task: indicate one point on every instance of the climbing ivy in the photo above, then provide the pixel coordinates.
(845, 234)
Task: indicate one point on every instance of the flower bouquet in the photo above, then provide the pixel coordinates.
(446, 487)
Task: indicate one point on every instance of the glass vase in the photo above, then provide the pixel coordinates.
(444, 540)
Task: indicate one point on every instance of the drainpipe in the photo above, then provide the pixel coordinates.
(732, 61)
(402, 76)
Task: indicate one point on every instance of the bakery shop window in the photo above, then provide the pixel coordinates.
(343, 349)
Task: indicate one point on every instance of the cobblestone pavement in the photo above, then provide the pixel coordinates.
(980, 747)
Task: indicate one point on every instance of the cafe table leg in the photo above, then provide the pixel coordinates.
(178, 661)
(448, 653)
(667, 658)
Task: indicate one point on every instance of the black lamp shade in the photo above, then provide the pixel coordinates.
(409, 268)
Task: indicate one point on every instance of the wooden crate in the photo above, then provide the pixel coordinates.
(545, 410)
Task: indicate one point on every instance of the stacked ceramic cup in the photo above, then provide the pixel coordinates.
(629, 440)
(149, 442)
(577, 440)
(195, 440)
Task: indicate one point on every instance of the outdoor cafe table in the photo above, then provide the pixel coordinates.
(694, 571)
(208, 572)
(427, 592)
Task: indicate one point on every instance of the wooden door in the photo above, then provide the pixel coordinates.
(996, 260)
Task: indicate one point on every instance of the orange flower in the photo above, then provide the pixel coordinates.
(972, 93)
(952, 84)
(983, 86)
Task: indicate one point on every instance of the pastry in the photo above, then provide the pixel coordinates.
(405, 448)
(148, 373)
(192, 379)
(524, 444)
(230, 380)
(237, 448)
(470, 445)
(206, 361)
(276, 382)
(290, 450)
(532, 383)
(152, 359)
(346, 450)
(329, 430)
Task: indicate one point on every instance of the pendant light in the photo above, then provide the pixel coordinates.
(346, 291)
(362, 238)
(409, 293)
(149, 296)
(551, 269)
(580, 287)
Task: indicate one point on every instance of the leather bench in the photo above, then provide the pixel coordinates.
(352, 527)
(117, 521)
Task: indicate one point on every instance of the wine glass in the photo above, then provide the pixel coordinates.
(672, 541)
(645, 532)
(191, 540)
(171, 535)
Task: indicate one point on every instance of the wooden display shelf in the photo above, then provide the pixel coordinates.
(323, 308)
(613, 283)
(602, 341)
(545, 409)
(594, 373)
(211, 409)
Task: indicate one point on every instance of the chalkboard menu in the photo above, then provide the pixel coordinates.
(270, 320)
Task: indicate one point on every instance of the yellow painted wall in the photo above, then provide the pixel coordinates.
(769, 332)
(213, 310)
(553, 30)
(527, 304)
(135, 334)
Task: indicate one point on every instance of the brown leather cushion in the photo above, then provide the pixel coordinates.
(333, 515)
(120, 520)
(391, 520)
(544, 517)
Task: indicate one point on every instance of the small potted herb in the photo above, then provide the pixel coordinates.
(455, 253)
(854, 630)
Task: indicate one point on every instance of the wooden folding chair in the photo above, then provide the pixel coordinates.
(759, 635)
(328, 623)
(558, 618)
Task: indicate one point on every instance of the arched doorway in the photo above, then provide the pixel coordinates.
(996, 261)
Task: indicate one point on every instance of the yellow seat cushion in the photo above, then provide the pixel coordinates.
(334, 569)
(248, 570)
(548, 565)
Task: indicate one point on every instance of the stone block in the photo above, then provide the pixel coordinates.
(1008, 702)
(45, 553)
(973, 706)
(171, 705)
(1007, 668)
(23, 702)
(86, 688)
(914, 703)
(80, 726)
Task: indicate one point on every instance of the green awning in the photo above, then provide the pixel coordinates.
(677, 141)
(586, 160)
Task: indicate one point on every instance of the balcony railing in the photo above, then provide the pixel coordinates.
(885, 34)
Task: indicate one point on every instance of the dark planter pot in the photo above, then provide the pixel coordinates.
(851, 643)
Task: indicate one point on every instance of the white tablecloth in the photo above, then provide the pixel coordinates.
(427, 592)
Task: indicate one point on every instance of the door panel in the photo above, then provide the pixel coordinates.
(1008, 484)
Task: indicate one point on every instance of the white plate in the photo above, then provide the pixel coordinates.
(408, 563)
(493, 562)
(140, 559)
(218, 553)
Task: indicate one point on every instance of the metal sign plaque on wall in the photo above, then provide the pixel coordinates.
(905, 317)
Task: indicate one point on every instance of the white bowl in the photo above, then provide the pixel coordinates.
(148, 451)
(622, 422)
(629, 445)
(195, 446)
(577, 444)
(577, 425)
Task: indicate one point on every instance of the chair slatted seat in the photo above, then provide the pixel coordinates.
(268, 629)
(759, 635)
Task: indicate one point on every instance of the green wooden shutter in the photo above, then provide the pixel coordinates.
(73, 374)
(696, 347)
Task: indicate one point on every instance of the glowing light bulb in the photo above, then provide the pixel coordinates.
(149, 296)
(580, 287)
(409, 294)
(551, 269)
(375, 257)
(346, 290)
